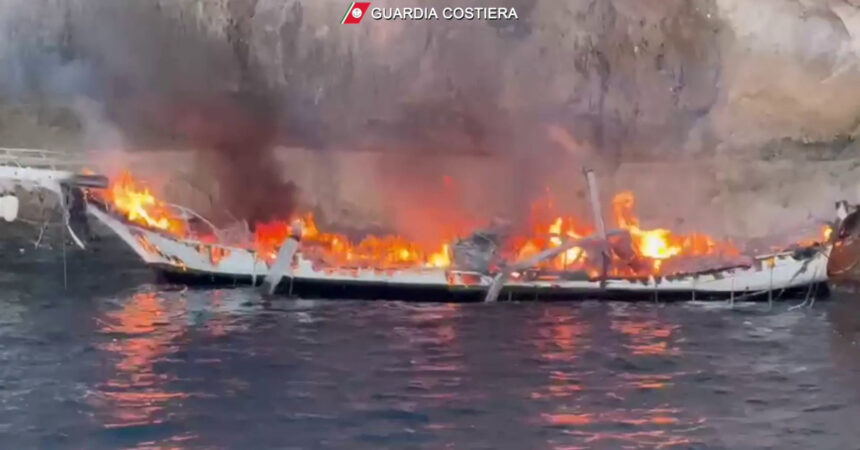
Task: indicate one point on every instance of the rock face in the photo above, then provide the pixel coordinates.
(788, 67)
(648, 78)
(605, 82)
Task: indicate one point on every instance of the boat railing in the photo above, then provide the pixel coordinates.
(40, 159)
(237, 234)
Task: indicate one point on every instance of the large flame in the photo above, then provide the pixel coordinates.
(652, 246)
(660, 244)
(384, 252)
(132, 199)
(649, 248)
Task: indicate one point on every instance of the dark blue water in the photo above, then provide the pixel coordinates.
(115, 362)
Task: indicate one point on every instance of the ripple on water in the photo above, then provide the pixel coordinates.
(174, 368)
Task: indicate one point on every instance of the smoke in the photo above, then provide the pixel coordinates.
(502, 110)
(139, 78)
(239, 131)
(150, 75)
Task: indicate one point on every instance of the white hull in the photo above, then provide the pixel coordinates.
(770, 273)
(31, 169)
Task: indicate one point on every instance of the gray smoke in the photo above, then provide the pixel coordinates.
(606, 83)
(139, 78)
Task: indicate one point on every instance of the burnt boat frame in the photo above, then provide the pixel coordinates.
(192, 263)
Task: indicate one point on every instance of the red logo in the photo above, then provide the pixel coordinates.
(355, 12)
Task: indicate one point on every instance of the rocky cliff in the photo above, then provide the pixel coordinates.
(608, 82)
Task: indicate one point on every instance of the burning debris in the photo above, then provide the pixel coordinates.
(557, 254)
(636, 252)
(480, 252)
(560, 255)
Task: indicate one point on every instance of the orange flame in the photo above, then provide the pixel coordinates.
(824, 234)
(384, 252)
(440, 259)
(661, 244)
(651, 248)
(139, 205)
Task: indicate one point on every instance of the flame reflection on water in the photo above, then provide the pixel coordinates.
(433, 369)
(576, 399)
(141, 332)
(436, 369)
(143, 335)
(590, 375)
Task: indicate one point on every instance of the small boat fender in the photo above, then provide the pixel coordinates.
(9, 207)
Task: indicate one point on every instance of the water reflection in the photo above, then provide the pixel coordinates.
(578, 402)
(143, 332)
(146, 332)
(436, 366)
(647, 336)
(206, 369)
(561, 336)
(560, 333)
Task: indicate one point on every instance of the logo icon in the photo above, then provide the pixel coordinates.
(355, 12)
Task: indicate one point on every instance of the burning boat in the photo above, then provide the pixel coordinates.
(563, 258)
(560, 258)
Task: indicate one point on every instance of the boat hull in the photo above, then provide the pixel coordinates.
(356, 290)
(771, 276)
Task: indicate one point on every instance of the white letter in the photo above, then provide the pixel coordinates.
(375, 13)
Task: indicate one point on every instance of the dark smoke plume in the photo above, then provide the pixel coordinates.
(233, 79)
(505, 109)
(165, 84)
(239, 131)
